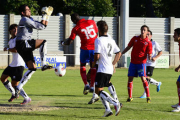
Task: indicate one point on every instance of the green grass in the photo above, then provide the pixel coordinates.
(63, 98)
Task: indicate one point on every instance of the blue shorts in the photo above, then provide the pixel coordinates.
(137, 69)
(86, 56)
(178, 79)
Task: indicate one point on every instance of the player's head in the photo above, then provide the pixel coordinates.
(176, 35)
(75, 18)
(99, 22)
(103, 28)
(24, 10)
(149, 34)
(13, 29)
(144, 30)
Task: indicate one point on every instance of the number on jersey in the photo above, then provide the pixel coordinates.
(88, 32)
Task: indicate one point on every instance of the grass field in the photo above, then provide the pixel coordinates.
(61, 98)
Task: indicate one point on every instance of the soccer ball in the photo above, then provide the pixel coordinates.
(60, 71)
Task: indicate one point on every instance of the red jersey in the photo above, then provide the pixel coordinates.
(87, 31)
(141, 47)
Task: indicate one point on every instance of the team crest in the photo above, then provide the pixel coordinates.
(145, 43)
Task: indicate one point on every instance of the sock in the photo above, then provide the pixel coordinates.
(9, 87)
(25, 78)
(178, 90)
(93, 76)
(130, 87)
(146, 88)
(95, 95)
(108, 98)
(113, 92)
(23, 94)
(106, 104)
(83, 74)
(43, 52)
(154, 82)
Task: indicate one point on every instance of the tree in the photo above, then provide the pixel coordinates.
(11, 6)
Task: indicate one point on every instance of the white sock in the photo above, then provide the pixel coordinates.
(106, 104)
(43, 52)
(23, 94)
(9, 87)
(113, 92)
(108, 98)
(25, 78)
(154, 82)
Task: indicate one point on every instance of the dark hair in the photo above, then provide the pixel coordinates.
(103, 27)
(177, 30)
(22, 8)
(99, 22)
(13, 26)
(75, 17)
(150, 31)
(145, 26)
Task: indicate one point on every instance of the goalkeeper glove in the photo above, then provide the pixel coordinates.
(46, 13)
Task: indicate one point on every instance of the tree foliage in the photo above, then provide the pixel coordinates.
(11, 6)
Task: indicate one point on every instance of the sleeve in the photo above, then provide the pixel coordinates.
(116, 48)
(131, 43)
(158, 48)
(149, 49)
(73, 34)
(34, 24)
(96, 29)
(97, 46)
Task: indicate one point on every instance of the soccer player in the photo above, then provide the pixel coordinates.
(87, 31)
(15, 69)
(141, 47)
(177, 39)
(104, 48)
(150, 64)
(25, 45)
(111, 87)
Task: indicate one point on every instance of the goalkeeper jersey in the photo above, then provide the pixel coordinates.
(26, 26)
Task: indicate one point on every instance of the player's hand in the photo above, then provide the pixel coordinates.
(154, 59)
(62, 43)
(47, 10)
(44, 10)
(5, 49)
(177, 69)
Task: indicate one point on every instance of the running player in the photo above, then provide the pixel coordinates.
(25, 45)
(87, 31)
(111, 87)
(150, 64)
(142, 47)
(15, 69)
(104, 48)
(177, 39)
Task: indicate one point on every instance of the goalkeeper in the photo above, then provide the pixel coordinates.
(25, 44)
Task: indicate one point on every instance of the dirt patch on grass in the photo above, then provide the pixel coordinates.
(26, 108)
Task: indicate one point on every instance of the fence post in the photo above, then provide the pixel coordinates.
(171, 49)
(11, 21)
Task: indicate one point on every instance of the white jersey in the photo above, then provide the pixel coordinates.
(155, 49)
(17, 59)
(105, 46)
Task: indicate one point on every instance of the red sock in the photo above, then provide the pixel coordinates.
(178, 88)
(93, 76)
(130, 87)
(146, 88)
(83, 74)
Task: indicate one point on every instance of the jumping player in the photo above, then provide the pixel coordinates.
(104, 48)
(142, 47)
(87, 31)
(177, 39)
(15, 69)
(150, 64)
(25, 45)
